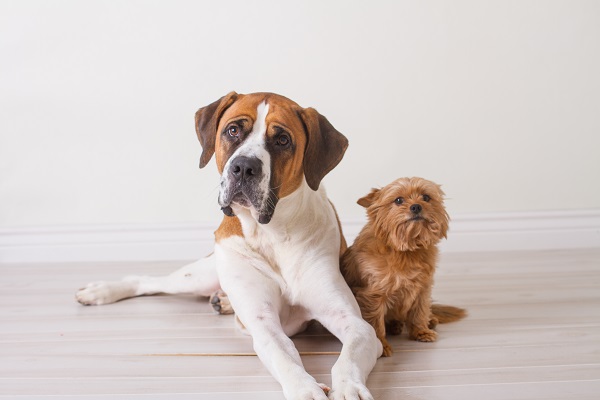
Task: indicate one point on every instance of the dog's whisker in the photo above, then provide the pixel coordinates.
(274, 194)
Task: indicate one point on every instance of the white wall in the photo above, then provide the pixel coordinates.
(498, 101)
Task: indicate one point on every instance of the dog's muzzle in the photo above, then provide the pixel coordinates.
(244, 185)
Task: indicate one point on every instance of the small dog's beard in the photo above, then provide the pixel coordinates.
(409, 235)
(412, 235)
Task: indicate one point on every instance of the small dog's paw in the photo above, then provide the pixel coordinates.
(433, 322)
(426, 335)
(220, 303)
(350, 390)
(394, 327)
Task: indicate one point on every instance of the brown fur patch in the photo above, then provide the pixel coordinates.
(230, 226)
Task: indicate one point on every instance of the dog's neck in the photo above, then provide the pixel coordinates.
(304, 212)
(305, 219)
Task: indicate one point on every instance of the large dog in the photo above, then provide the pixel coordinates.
(278, 247)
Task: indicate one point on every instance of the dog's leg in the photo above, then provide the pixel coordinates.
(198, 278)
(339, 312)
(420, 319)
(373, 310)
(258, 303)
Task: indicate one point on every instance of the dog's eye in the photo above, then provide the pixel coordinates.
(283, 140)
(233, 131)
(399, 200)
(426, 197)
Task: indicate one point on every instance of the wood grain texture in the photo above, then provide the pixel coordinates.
(533, 332)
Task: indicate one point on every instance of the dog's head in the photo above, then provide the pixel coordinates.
(408, 213)
(265, 146)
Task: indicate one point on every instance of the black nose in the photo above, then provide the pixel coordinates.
(245, 167)
(416, 208)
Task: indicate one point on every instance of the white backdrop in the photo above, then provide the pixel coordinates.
(498, 101)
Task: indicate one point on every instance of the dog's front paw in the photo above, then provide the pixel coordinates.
(350, 390)
(220, 303)
(425, 335)
(308, 391)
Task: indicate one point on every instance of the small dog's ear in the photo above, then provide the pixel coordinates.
(207, 120)
(324, 149)
(369, 199)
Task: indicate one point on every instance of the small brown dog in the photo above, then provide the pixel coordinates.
(391, 264)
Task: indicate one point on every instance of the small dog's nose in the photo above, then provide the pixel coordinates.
(245, 167)
(416, 208)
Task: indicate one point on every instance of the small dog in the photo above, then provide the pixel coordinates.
(391, 264)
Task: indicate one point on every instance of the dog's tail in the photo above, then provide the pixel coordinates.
(446, 314)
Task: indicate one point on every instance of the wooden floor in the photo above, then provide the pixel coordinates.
(533, 333)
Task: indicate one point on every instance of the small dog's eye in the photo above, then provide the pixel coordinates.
(426, 197)
(399, 200)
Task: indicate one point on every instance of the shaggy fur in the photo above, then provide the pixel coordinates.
(391, 264)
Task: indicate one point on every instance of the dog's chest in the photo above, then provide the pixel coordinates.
(302, 236)
(271, 246)
(405, 274)
(280, 254)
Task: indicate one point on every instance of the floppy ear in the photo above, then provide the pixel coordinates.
(369, 199)
(207, 120)
(324, 149)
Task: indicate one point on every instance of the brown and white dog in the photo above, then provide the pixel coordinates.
(278, 247)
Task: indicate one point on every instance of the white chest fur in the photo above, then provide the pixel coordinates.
(304, 230)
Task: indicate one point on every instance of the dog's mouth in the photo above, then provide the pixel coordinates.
(417, 218)
(241, 200)
(261, 207)
(238, 199)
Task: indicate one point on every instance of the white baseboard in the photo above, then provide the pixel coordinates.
(468, 233)
(517, 231)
